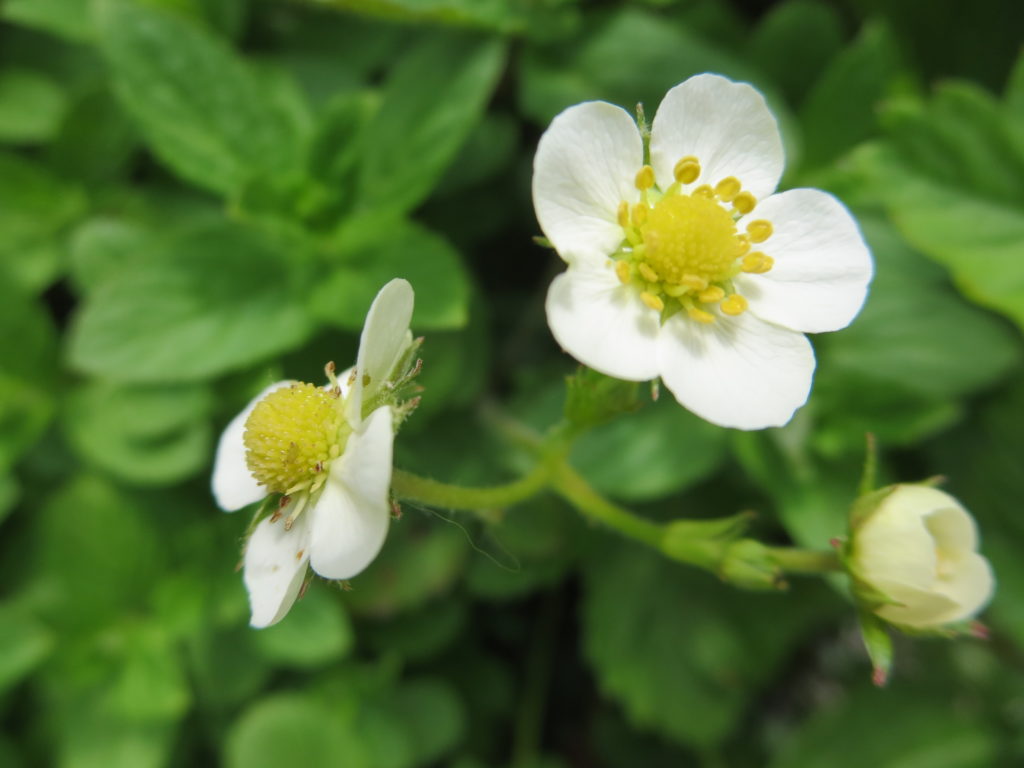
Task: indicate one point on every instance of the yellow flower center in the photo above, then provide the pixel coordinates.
(292, 435)
(682, 250)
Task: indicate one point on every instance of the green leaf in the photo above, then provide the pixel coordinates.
(67, 18)
(104, 247)
(97, 551)
(794, 42)
(635, 56)
(208, 301)
(497, 15)
(293, 729)
(422, 558)
(149, 685)
(200, 108)
(152, 435)
(895, 728)
(31, 106)
(430, 712)
(371, 251)
(433, 98)
(316, 633)
(24, 644)
(35, 207)
(29, 373)
(682, 653)
(96, 139)
(915, 348)
(418, 634)
(840, 110)
(669, 449)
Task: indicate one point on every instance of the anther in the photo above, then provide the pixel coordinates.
(687, 170)
(711, 294)
(623, 272)
(623, 214)
(648, 273)
(652, 301)
(759, 230)
(694, 281)
(744, 202)
(700, 315)
(757, 263)
(728, 188)
(639, 214)
(734, 305)
(704, 190)
(645, 178)
(743, 241)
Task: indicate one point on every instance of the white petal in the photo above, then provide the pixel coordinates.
(919, 608)
(822, 265)
(233, 485)
(603, 323)
(384, 340)
(727, 126)
(350, 519)
(894, 548)
(970, 586)
(275, 566)
(586, 164)
(738, 371)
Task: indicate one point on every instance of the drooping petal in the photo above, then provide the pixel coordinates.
(822, 266)
(350, 519)
(603, 323)
(275, 566)
(736, 372)
(916, 607)
(586, 164)
(233, 485)
(727, 126)
(384, 340)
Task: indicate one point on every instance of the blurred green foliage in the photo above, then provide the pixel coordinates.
(200, 196)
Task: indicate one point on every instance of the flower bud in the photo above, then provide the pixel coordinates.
(914, 559)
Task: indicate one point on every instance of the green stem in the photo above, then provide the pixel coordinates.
(568, 484)
(808, 561)
(409, 487)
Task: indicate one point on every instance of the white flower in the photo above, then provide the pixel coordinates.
(331, 466)
(918, 550)
(690, 268)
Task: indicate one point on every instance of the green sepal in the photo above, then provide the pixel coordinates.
(866, 505)
(593, 398)
(748, 564)
(878, 642)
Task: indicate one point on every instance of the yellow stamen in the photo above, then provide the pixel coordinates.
(652, 301)
(759, 230)
(645, 178)
(692, 281)
(700, 315)
(743, 244)
(639, 214)
(757, 263)
(687, 170)
(623, 272)
(711, 294)
(728, 188)
(623, 214)
(647, 273)
(744, 202)
(704, 190)
(734, 305)
(675, 291)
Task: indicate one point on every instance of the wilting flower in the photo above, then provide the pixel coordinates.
(323, 455)
(688, 267)
(915, 559)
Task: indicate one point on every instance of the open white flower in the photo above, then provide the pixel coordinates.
(689, 268)
(329, 463)
(918, 550)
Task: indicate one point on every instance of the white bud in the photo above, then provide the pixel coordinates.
(918, 549)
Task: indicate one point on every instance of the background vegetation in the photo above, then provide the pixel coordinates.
(200, 196)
